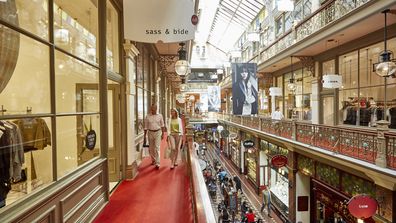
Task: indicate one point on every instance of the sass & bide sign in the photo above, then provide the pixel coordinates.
(362, 206)
(332, 81)
(275, 91)
(279, 161)
(166, 21)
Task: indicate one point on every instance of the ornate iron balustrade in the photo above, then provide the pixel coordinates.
(358, 144)
(285, 129)
(327, 137)
(391, 150)
(323, 17)
(361, 144)
(306, 133)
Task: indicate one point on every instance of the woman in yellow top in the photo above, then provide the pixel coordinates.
(175, 135)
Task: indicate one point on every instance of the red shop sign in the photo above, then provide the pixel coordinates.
(362, 206)
(279, 160)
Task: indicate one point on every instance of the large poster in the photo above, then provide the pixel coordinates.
(203, 102)
(244, 89)
(214, 98)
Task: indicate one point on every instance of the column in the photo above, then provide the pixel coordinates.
(132, 155)
(315, 101)
(382, 128)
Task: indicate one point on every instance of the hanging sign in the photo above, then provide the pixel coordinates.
(279, 161)
(275, 91)
(332, 81)
(159, 24)
(362, 206)
(90, 140)
(248, 143)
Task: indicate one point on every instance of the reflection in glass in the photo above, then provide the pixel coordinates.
(29, 15)
(77, 33)
(75, 83)
(112, 39)
(76, 142)
(31, 74)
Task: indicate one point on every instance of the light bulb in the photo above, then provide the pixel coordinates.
(181, 67)
(386, 69)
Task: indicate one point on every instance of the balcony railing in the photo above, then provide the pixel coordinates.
(323, 17)
(361, 144)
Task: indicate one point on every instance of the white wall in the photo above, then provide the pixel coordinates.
(302, 189)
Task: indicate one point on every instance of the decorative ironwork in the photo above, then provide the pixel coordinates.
(328, 174)
(335, 10)
(305, 133)
(306, 165)
(308, 63)
(353, 185)
(391, 151)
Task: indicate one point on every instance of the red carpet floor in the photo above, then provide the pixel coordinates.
(154, 196)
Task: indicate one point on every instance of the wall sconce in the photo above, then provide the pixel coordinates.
(182, 67)
(386, 66)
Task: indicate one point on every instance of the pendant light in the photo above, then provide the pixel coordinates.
(61, 35)
(292, 85)
(182, 67)
(386, 66)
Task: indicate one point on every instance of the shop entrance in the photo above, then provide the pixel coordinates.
(84, 123)
(327, 110)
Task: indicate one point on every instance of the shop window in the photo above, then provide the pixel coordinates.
(139, 108)
(112, 39)
(279, 26)
(328, 174)
(362, 96)
(77, 33)
(288, 21)
(307, 8)
(298, 11)
(29, 15)
(73, 149)
(30, 170)
(25, 65)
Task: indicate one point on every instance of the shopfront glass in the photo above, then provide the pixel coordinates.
(31, 127)
(362, 96)
(298, 102)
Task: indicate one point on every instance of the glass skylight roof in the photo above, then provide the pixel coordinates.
(232, 18)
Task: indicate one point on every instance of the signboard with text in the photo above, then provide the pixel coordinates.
(279, 161)
(166, 21)
(362, 206)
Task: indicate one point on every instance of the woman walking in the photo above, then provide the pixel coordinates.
(175, 135)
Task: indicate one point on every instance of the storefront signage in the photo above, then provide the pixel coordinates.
(225, 133)
(362, 206)
(332, 81)
(248, 143)
(159, 24)
(90, 140)
(279, 161)
(275, 91)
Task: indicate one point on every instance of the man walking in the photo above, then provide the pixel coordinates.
(154, 125)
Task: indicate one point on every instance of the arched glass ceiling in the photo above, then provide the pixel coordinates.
(232, 18)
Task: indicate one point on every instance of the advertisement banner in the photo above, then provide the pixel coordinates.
(203, 102)
(214, 98)
(166, 21)
(244, 89)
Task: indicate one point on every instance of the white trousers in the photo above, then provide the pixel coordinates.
(154, 139)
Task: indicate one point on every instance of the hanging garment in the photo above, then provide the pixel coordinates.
(365, 116)
(5, 160)
(392, 117)
(35, 133)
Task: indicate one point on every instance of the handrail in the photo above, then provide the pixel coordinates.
(362, 144)
(202, 207)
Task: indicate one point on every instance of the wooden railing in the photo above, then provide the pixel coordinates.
(361, 144)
